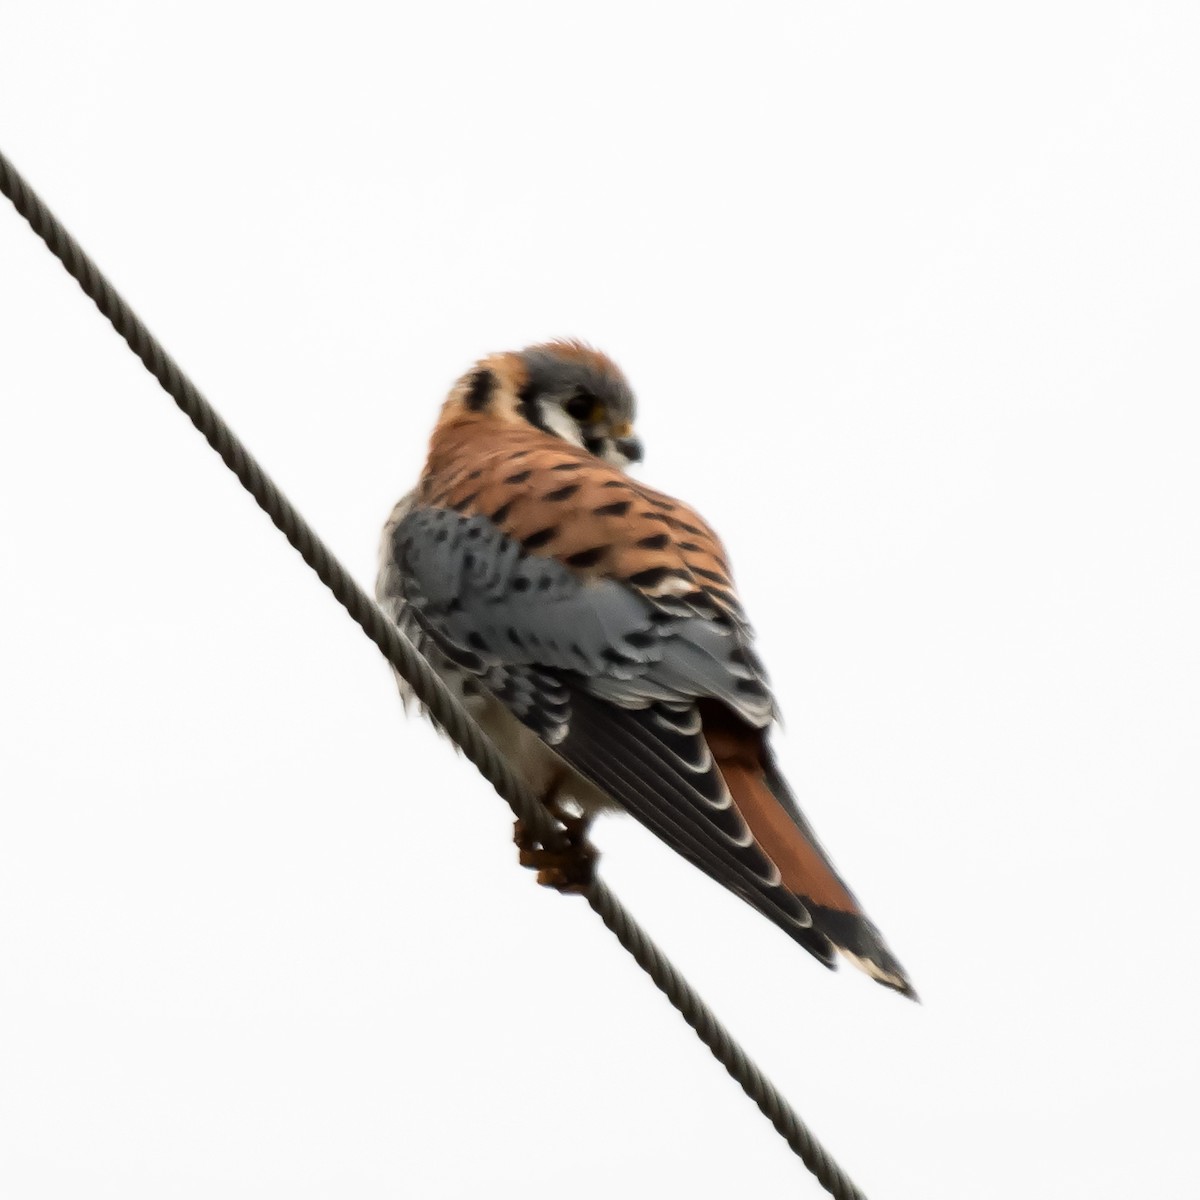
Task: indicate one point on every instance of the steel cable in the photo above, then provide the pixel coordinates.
(430, 690)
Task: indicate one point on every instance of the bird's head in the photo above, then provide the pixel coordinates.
(563, 388)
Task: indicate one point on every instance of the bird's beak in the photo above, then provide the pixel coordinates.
(630, 448)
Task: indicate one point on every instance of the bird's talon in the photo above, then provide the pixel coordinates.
(571, 869)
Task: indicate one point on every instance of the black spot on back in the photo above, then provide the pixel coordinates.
(656, 541)
(617, 509)
(536, 540)
(519, 477)
(652, 577)
(562, 493)
(586, 558)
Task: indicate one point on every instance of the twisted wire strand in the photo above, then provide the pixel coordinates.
(430, 690)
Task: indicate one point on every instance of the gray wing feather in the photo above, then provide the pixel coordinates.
(493, 607)
(553, 647)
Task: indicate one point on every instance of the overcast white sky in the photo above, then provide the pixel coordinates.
(909, 296)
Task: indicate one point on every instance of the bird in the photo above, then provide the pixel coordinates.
(592, 627)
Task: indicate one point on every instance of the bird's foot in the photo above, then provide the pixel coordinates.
(571, 869)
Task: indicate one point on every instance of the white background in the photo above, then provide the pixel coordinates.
(909, 296)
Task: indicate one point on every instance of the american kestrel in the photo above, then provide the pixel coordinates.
(591, 626)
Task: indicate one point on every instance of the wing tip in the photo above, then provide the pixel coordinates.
(892, 976)
(860, 943)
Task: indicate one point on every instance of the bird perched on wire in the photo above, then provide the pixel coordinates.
(591, 625)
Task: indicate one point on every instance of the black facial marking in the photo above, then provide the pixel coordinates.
(479, 390)
(580, 406)
(530, 409)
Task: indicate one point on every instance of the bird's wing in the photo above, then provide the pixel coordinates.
(603, 616)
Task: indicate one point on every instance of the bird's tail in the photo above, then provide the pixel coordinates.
(765, 801)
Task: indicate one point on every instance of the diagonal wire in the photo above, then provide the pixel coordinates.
(459, 725)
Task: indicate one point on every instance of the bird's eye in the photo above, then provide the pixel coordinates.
(582, 407)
